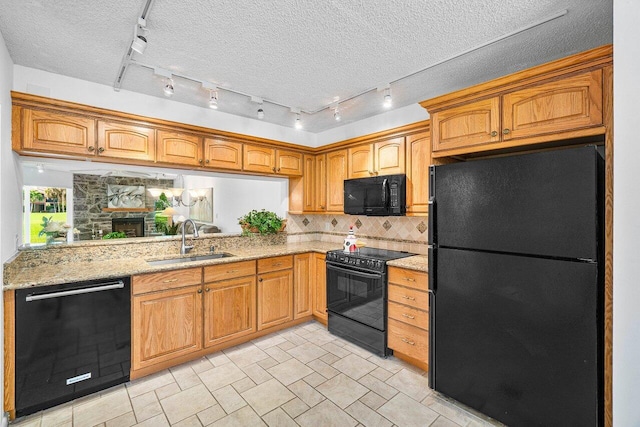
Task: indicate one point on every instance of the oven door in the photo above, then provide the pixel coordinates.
(357, 295)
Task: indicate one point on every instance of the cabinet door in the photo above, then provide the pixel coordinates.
(320, 200)
(123, 141)
(309, 184)
(466, 125)
(389, 156)
(275, 298)
(561, 105)
(418, 160)
(222, 154)
(320, 288)
(183, 149)
(288, 163)
(361, 161)
(166, 325)
(229, 310)
(259, 159)
(58, 133)
(336, 174)
(302, 292)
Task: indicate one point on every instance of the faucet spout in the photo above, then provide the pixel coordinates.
(184, 248)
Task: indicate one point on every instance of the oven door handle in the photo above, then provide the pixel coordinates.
(355, 272)
(103, 287)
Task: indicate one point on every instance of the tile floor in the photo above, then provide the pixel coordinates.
(301, 376)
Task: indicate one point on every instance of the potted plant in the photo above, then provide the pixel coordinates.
(262, 222)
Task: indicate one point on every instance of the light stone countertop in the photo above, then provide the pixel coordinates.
(417, 263)
(76, 271)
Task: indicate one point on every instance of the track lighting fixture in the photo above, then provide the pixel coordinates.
(336, 114)
(298, 123)
(139, 43)
(260, 112)
(213, 99)
(168, 88)
(387, 98)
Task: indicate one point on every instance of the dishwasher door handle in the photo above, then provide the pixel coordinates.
(102, 287)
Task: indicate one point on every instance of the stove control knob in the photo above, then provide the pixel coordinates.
(379, 264)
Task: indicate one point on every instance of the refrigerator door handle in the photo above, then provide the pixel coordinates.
(431, 236)
(431, 253)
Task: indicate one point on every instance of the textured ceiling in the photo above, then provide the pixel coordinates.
(301, 53)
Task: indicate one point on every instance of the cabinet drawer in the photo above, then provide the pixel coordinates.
(409, 278)
(213, 273)
(408, 296)
(166, 280)
(408, 340)
(275, 263)
(409, 315)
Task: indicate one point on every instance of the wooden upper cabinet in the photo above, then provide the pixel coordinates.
(336, 174)
(309, 183)
(389, 156)
(320, 196)
(126, 141)
(229, 310)
(288, 163)
(418, 161)
(361, 161)
(259, 159)
(557, 106)
(179, 148)
(58, 133)
(466, 125)
(222, 154)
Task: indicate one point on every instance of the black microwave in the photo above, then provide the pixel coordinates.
(376, 196)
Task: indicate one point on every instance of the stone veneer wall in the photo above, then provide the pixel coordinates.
(404, 233)
(90, 196)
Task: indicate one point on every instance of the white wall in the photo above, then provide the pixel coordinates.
(31, 80)
(389, 120)
(626, 211)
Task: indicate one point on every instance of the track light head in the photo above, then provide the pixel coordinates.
(260, 113)
(213, 99)
(387, 98)
(139, 44)
(298, 123)
(336, 115)
(168, 88)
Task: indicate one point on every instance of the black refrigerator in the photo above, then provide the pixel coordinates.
(516, 278)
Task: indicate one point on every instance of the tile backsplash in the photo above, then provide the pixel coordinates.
(387, 232)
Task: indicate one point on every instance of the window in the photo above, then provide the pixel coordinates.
(43, 204)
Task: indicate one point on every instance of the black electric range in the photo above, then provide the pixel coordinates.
(357, 296)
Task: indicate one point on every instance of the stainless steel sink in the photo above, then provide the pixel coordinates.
(190, 259)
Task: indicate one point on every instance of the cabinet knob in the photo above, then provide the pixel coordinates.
(207, 289)
(199, 291)
(278, 169)
(91, 148)
(101, 150)
(200, 161)
(207, 161)
(273, 168)
(506, 131)
(370, 172)
(260, 279)
(494, 133)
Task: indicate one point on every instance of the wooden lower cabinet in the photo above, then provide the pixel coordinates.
(229, 310)
(166, 325)
(319, 288)
(302, 292)
(275, 298)
(408, 316)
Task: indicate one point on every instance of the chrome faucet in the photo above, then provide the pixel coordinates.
(184, 248)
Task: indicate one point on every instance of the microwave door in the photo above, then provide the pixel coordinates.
(354, 199)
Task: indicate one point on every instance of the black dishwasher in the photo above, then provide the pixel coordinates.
(71, 340)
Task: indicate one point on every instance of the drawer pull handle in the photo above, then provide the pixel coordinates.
(408, 341)
(409, 279)
(169, 280)
(232, 271)
(408, 316)
(408, 297)
(277, 264)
